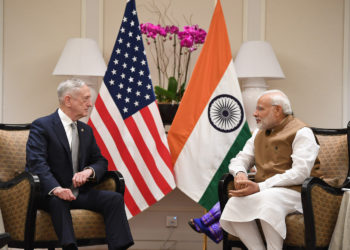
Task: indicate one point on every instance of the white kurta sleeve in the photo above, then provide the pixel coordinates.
(305, 150)
(244, 160)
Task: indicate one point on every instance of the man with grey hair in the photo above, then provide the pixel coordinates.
(63, 152)
(284, 151)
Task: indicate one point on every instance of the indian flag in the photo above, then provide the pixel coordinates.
(210, 127)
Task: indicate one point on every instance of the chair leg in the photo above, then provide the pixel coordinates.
(226, 246)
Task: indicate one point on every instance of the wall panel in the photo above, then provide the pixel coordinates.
(307, 37)
(35, 33)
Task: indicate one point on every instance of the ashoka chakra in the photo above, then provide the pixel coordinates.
(225, 113)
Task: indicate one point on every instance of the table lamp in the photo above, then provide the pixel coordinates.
(255, 62)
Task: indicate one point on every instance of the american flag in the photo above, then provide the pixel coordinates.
(127, 123)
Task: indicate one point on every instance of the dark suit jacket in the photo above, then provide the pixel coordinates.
(49, 155)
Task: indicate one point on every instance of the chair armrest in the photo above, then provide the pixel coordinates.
(224, 182)
(112, 180)
(18, 202)
(319, 201)
(4, 239)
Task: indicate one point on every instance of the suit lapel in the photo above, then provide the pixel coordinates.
(82, 137)
(62, 137)
(61, 133)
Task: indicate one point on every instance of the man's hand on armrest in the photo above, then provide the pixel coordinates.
(64, 193)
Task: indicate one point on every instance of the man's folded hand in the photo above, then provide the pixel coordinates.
(82, 177)
(249, 187)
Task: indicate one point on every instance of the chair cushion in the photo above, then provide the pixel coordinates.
(12, 153)
(325, 217)
(334, 158)
(14, 208)
(326, 207)
(87, 225)
(296, 230)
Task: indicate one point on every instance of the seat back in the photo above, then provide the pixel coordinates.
(333, 155)
(316, 225)
(13, 140)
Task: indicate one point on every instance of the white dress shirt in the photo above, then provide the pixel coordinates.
(66, 121)
(305, 151)
(273, 202)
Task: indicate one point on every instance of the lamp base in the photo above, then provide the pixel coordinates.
(252, 89)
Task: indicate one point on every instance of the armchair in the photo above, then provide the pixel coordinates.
(321, 198)
(28, 226)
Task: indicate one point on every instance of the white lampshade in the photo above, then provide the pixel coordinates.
(257, 59)
(81, 57)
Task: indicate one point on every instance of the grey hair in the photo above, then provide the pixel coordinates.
(279, 98)
(68, 87)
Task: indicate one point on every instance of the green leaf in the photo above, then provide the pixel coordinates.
(163, 94)
(172, 85)
(181, 92)
(182, 88)
(158, 93)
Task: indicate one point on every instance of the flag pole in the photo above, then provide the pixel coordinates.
(205, 237)
(126, 121)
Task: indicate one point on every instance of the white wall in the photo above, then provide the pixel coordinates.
(310, 39)
(307, 36)
(34, 35)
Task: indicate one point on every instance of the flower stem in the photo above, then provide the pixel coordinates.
(158, 67)
(187, 64)
(174, 69)
(179, 65)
